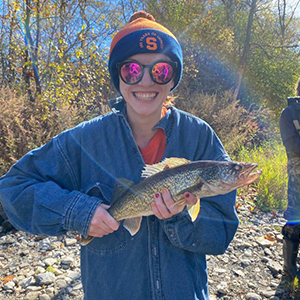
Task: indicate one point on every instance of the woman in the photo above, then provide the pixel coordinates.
(67, 184)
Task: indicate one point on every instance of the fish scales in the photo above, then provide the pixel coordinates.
(178, 175)
(177, 180)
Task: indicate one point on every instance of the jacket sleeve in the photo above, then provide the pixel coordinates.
(289, 135)
(217, 221)
(40, 193)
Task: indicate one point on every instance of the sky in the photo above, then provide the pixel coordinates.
(292, 4)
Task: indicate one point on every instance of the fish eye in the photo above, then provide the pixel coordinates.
(237, 167)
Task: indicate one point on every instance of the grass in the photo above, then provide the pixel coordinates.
(25, 125)
(271, 187)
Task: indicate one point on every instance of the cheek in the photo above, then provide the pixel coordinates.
(169, 86)
(123, 87)
(172, 84)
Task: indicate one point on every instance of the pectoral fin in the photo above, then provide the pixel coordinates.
(133, 225)
(85, 240)
(193, 210)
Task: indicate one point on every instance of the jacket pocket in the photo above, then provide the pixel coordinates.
(99, 190)
(110, 244)
(114, 242)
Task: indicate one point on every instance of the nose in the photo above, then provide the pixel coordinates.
(146, 80)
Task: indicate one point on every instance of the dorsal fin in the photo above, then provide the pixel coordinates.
(121, 187)
(167, 163)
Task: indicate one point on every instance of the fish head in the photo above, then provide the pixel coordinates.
(238, 174)
(228, 176)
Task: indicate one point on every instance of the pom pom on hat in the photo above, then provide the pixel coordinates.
(141, 14)
(143, 35)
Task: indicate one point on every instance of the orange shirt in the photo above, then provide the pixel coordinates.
(155, 150)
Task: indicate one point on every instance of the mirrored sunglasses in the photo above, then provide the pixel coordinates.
(161, 72)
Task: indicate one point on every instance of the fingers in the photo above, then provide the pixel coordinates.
(102, 222)
(164, 206)
(190, 198)
(156, 212)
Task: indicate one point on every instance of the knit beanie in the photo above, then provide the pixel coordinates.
(143, 35)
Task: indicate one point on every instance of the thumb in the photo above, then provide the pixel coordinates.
(106, 207)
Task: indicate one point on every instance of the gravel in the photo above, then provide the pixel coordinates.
(43, 268)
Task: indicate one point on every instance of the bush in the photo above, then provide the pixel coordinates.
(271, 187)
(236, 126)
(26, 125)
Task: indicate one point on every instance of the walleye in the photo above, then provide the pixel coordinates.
(130, 202)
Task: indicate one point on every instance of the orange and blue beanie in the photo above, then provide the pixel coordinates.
(143, 35)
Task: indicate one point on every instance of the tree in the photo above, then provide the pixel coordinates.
(246, 48)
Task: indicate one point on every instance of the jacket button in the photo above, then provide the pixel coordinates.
(134, 150)
(170, 233)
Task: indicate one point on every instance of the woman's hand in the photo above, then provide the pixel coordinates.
(163, 207)
(102, 222)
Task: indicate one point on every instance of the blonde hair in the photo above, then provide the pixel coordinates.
(170, 100)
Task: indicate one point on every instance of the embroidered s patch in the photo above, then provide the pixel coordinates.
(151, 41)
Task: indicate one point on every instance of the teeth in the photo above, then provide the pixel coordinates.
(145, 96)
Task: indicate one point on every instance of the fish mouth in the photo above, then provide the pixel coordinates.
(247, 176)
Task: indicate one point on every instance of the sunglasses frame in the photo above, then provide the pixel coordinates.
(173, 64)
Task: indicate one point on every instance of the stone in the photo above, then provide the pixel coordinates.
(245, 262)
(220, 270)
(253, 296)
(61, 283)
(249, 269)
(50, 261)
(67, 260)
(274, 267)
(26, 282)
(39, 270)
(268, 294)
(70, 242)
(32, 296)
(264, 242)
(44, 297)
(9, 286)
(222, 288)
(33, 288)
(45, 278)
(73, 275)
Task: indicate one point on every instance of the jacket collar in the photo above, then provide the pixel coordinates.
(118, 107)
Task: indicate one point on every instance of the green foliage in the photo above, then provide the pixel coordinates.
(271, 187)
(51, 269)
(66, 57)
(213, 35)
(67, 42)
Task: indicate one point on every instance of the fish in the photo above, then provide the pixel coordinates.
(203, 178)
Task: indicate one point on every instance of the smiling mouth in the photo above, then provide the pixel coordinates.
(145, 96)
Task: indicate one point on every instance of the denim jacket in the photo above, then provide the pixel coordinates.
(56, 188)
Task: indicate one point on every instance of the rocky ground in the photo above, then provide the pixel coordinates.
(44, 268)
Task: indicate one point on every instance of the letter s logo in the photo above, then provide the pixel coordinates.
(151, 43)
